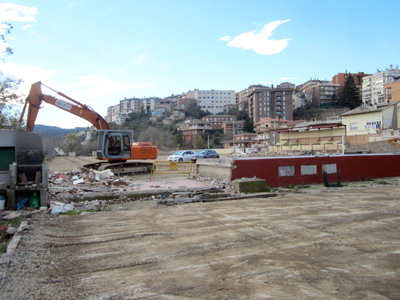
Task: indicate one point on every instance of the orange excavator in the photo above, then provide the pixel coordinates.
(114, 147)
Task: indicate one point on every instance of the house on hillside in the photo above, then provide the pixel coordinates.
(243, 140)
(217, 120)
(312, 136)
(191, 128)
(371, 123)
(264, 128)
(230, 127)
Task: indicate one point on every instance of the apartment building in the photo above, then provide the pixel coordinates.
(161, 106)
(230, 127)
(191, 128)
(341, 78)
(270, 102)
(321, 91)
(184, 103)
(214, 100)
(115, 115)
(301, 100)
(373, 92)
(217, 120)
(242, 96)
(392, 91)
(130, 105)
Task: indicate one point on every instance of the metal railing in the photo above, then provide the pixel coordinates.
(173, 167)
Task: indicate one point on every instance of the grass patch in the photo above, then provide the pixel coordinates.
(5, 240)
(13, 223)
(70, 213)
(382, 182)
(367, 179)
(3, 245)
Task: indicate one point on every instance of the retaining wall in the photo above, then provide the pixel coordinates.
(210, 168)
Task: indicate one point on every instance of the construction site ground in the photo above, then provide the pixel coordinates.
(315, 243)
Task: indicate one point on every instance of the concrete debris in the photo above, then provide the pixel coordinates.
(222, 183)
(12, 215)
(11, 230)
(24, 226)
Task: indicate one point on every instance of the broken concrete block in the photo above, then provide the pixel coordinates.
(11, 230)
(38, 177)
(250, 186)
(12, 215)
(22, 177)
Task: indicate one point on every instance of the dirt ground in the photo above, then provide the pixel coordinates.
(319, 244)
(329, 245)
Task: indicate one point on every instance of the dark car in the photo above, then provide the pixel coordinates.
(205, 154)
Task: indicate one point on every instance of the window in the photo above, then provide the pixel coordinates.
(353, 126)
(331, 168)
(308, 169)
(286, 171)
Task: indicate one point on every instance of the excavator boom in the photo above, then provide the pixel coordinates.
(36, 97)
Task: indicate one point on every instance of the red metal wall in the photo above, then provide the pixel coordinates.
(352, 167)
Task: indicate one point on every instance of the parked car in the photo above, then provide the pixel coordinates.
(205, 154)
(181, 156)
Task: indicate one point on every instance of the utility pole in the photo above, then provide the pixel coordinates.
(208, 139)
(233, 136)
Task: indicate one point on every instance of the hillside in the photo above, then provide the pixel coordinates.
(54, 130)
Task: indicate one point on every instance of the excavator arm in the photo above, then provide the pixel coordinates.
(35, 98)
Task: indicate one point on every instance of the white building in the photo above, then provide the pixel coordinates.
(214, 100)
(301, 100)
(373, 91)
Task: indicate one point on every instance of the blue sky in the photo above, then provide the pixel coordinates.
(99, 52)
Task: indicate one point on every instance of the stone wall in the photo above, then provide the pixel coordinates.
(374, 147)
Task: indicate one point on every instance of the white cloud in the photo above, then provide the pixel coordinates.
(27, 26)
(259, 41)
(28, 73)
(17, 13)
(12, 38)
(142, 59)
(225, 38)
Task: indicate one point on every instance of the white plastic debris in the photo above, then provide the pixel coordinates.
(78, 181)
(68, 207)
(55, 210)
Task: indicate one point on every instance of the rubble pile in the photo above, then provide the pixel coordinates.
(82, 180)
(295, 153)
(222, 183)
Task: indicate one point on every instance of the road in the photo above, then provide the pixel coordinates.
(332, 244)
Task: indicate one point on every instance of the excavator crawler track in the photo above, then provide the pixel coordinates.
(122, 168)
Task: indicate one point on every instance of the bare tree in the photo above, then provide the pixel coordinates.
(71, 143)
(161, 138)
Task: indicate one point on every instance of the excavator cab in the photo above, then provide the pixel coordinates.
(114, 144)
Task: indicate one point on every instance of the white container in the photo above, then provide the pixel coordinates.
(2, 204)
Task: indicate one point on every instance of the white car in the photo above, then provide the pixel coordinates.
(182, 156)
